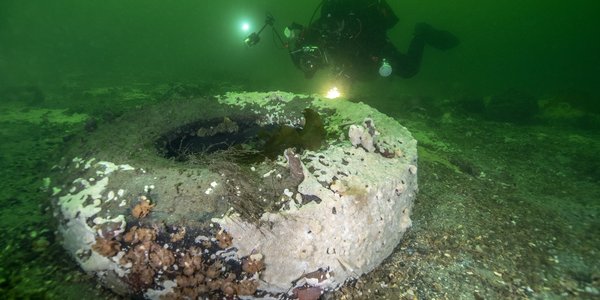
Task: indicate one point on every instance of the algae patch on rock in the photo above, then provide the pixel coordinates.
(311, 136)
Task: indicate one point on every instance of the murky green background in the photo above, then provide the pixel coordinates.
(507, 128)
(539, 45)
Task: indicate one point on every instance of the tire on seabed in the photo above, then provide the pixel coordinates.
(175, 199)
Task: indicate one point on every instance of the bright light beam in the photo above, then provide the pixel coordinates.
(333, 93)
(245, 26)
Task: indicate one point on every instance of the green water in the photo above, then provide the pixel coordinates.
(507, 125)
(539, 45)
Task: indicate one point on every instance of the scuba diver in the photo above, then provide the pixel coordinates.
(350, 37)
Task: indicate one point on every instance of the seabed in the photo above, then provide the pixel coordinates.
(505, 209)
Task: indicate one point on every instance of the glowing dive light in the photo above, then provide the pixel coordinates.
(245, 26)
(333, 93)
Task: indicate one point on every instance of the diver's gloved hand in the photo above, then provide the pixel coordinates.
(293, 31)
(439, 39)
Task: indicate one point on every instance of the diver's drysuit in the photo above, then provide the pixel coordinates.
(351, 37)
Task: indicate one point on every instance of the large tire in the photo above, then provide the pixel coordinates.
(146, 204)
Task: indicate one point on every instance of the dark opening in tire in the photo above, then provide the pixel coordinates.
(239, 138)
